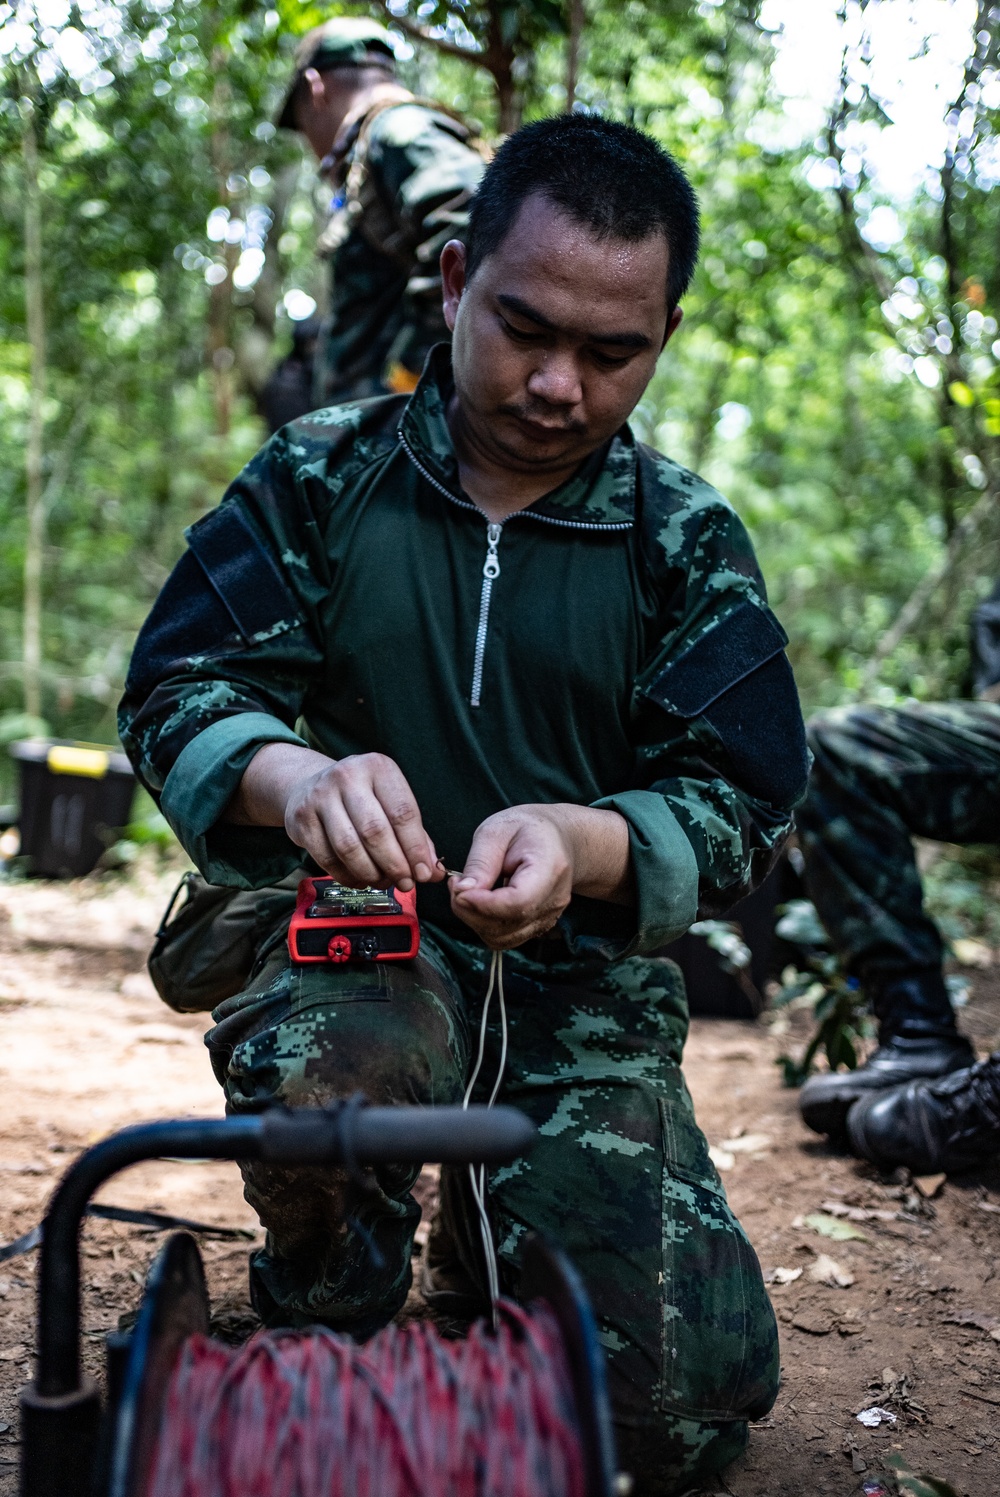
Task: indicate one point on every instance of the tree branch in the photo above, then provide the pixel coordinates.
(419, 34)
(928, 585)
(577, 19)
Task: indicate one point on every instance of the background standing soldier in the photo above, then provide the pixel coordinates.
(403, 171)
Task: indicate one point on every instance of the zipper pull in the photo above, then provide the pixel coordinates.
(491, 566)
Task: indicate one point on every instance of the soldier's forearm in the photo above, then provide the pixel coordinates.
(268, 781)
(602, 859)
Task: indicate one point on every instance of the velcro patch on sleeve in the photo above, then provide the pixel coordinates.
(242, 572)
(731, 650)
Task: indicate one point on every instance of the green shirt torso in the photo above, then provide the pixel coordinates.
(336, 596)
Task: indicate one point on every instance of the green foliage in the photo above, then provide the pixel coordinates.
(961, 888)
(816, 983)
(840, 1022)
(847, 399)
(962, 893)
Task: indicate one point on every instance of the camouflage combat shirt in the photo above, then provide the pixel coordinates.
(621, 654)
(404, 174)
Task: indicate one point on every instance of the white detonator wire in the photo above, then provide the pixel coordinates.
(477, 1175)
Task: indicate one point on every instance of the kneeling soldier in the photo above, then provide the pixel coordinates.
(484, 624)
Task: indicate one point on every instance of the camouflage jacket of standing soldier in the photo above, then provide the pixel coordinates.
(404, 171)
(622, 655)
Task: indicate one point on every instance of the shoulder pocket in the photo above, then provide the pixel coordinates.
(723, 656)
(243, 574)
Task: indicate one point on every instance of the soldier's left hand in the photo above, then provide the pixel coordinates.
(542, 854)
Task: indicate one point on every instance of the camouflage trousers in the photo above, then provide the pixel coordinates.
(881, 776)
(619, 1176)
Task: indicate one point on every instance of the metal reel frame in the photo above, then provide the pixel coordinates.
(175, 1306)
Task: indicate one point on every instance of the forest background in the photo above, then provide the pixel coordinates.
(837, 375)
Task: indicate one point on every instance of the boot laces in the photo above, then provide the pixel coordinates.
(972, 1098)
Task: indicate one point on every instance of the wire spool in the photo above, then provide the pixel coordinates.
(521, 1411)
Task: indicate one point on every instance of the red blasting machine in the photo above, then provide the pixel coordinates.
(335, 924)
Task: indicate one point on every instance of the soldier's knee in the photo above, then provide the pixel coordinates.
(825, 729)
(396, 1041)
(670, 1455)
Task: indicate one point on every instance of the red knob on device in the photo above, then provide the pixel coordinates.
(339, 949)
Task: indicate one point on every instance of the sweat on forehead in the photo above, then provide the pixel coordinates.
(562, 277)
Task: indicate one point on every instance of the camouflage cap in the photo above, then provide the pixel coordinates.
(344, 42)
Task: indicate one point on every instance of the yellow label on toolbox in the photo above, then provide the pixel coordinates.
(66, 758)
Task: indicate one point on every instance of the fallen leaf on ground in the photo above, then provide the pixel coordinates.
(721, 1158)
(929, 1185)
(827, 1270)
(850, 1448)
(873, 1417)
(974, 1318)
(783, 1276)
(832, 1227)
(750, 1143)
(12, 1353)
(859, 1213)
(894, 1389)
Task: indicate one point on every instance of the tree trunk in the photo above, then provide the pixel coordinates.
(219, 343)
(498, 59)
(34, 453)
(576, 23)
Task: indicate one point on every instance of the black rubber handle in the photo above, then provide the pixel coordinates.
(347, 1133)
(400, 1135)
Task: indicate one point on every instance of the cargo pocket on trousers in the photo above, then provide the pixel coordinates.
(720, 1341)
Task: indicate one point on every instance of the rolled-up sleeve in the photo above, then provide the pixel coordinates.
(664, 868)
(721, 752)
(200, 786)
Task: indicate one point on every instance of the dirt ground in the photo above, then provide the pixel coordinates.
(913, 1323)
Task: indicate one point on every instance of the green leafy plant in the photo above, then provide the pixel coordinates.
(838, 1006)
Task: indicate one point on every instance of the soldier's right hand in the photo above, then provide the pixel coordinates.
(357, 816)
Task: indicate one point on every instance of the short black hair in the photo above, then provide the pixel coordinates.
(607, 176)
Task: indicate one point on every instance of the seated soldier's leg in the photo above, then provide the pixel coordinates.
(305, 1035)
(620, 1177)
(881, 776)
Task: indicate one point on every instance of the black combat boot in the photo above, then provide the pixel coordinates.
(951, 1125)
(917, 1041)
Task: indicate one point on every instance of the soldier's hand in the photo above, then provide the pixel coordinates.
(542, 854)
(357, 817)
(360, 820)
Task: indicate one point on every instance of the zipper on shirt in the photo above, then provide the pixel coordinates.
(491, 570)
(491, 566)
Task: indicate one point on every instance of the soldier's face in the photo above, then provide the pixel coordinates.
(556, 335)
